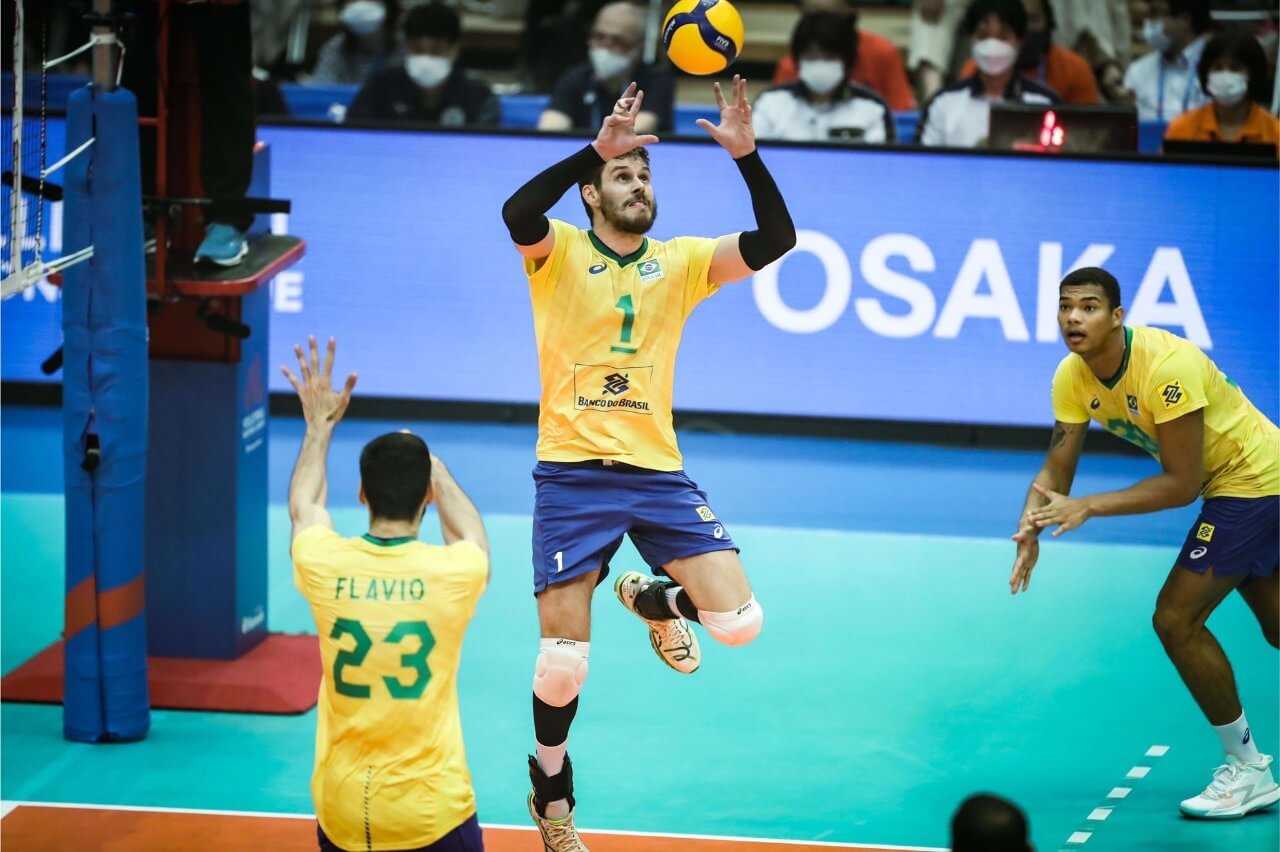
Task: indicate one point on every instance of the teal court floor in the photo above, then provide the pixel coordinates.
(895, 673)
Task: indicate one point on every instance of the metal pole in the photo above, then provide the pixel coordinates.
(17, 208)
(106, 52)
(653, 24)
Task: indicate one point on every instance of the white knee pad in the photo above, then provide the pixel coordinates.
(560, 670)
(736, 627)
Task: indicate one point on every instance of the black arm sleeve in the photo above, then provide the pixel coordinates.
(775, 233)
(525, 212)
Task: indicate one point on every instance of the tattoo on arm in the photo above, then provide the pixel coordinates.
(1059, 437)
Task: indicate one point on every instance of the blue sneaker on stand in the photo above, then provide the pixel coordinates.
(223, 244)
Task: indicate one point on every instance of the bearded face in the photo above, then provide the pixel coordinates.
(626, 196)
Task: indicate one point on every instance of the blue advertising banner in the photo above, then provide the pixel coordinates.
(923, 287)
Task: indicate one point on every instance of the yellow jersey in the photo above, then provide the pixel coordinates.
(1161, 378)
(608, 329)
(390, 771)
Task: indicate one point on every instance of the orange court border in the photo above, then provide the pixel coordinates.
(111, 828)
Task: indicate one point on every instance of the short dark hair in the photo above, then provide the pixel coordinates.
(1012, 12)
(1196, 10)
(433, 20)
(597, 174)
(1243, 47)
(1099, 277)
(831, 32)
(395, 472)
(988, 823)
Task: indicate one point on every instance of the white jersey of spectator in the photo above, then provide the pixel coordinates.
(960, 115)
(934, 43)
(854, 114)
(1108, 22)
(1164, 88)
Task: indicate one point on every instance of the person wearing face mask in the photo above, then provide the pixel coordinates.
(878, 66)
(823, 105)
(427, 87)
(1164, 81)
(365, 45)
(1233, 70)
(959, 115)
(584, 94)
(1061, 69)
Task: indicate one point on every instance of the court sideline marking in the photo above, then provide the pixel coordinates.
(1102, 812)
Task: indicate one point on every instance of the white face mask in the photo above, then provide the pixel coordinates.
(1228, 88)
(427, 71)
(821, 75)
(363, 17)
(607, 64)
(1153, 34)
(994, 55)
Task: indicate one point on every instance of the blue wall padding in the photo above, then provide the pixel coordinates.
(104, 322)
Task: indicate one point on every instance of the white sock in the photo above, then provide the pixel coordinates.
(671, 600)
(551, 759)
(1238, 740)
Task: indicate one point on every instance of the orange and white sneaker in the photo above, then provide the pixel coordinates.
(671, 637)
(1237, 788)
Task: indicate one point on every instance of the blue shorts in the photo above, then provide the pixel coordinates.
(465, 838)
(1234, 536)
(583, 509)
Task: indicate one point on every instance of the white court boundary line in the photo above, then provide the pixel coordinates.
(1102, 812)
(7, 807)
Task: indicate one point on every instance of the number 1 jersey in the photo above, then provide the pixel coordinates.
(390, 770)
(608, 329)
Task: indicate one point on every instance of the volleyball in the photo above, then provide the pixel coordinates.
(702, 36)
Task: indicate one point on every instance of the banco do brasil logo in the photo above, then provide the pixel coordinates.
(616, 383)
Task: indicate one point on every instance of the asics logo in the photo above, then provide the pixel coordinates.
(565, 642)
(1198, 552)
(597, 268)
(1246, 737)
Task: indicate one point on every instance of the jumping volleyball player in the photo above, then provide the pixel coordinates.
(609, 306)
(1163, 394)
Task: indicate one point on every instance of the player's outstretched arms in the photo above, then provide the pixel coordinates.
(738, 255)
(1057, 474)
(1182, 457)
(459, 518)
(525, 212)
(322, 409)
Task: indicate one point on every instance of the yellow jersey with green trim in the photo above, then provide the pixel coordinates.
(391, 770)
(608, 329)
(1161, 378)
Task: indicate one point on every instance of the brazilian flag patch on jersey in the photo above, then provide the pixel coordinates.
(650, 270)
(1172, 395)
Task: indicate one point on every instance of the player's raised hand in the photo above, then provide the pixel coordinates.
(1025, 562)
(617, 133)
(321, 404)
(734, 132)
(1068, 513)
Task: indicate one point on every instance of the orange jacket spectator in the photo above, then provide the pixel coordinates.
(1201, 125)
(879, 68)
(1064, 71)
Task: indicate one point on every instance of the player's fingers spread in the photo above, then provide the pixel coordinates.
(328, 356)
(647, 140)
(315, 353)
(635, 104)
(302, 361)
(720, 101)
(349, 386)
(706, 125)
(293, 381)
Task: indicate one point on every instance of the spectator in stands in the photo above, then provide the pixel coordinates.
(878, 67)
(585, 94)
(428, 86)
(1233, 70)
(1062, 70)
(987, 823)
(823, 105)
(959, 115)
(554, 39)
(365, 45)
(933, 41)
(1164, 81)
